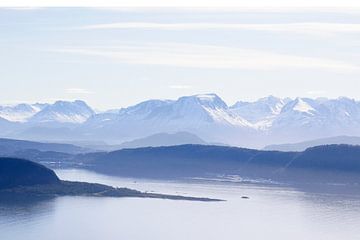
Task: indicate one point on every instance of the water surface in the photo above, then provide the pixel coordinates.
(270, 213)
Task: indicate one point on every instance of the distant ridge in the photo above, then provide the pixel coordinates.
(186, 161)
(302, 146)
(339, 162)
(164, 139)
(11, 146)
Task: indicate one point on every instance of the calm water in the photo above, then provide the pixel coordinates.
(270, 213)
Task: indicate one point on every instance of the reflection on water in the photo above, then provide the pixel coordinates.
(270, 213)
(16, 211)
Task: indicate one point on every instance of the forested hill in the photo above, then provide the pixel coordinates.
(18, 172)
(193, 160)
(26, 179)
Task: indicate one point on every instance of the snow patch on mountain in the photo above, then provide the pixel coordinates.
(302, 106)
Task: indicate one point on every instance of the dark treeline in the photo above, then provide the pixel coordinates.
(184, 161)
(200, 160)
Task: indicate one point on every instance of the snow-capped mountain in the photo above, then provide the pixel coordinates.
(201, 114)
(245, 123)
(341, 112)
(20, 112)
(266, 121)
(197, 110)
(260, 113)
(304, 118)
(188, 111)
(63, 112)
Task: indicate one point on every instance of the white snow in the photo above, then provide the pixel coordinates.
(18, 113)
(224, 117)
(304, 107)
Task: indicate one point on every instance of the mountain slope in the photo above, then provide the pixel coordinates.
(261, 112)
(7, 127)
(330, 157)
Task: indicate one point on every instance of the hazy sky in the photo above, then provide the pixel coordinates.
(117, 57)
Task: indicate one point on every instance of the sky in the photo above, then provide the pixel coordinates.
(116, 57)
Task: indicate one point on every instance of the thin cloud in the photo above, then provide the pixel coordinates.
(209, 56)
(180, 86)
(301, 28)
(78, 91)
(187, 3)
(316, 92)
(23, 8)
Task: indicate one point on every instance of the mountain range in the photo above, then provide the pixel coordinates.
(60, 111)
(269, 120)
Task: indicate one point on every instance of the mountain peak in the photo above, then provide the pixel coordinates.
(75, 102)
(207, 96)
(64, 111)
(270, 98)
(209, 100)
